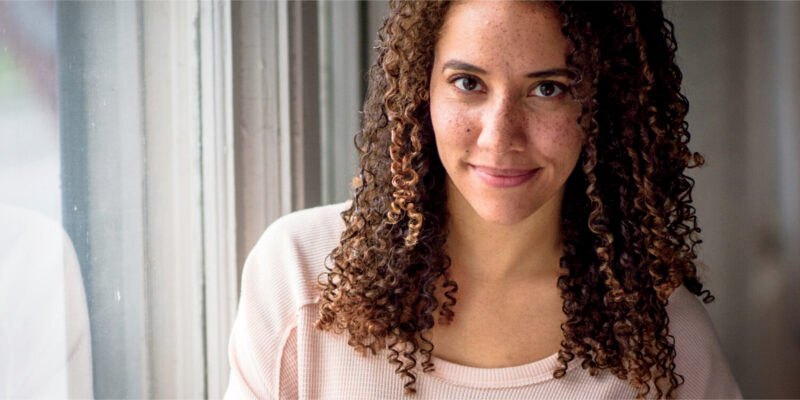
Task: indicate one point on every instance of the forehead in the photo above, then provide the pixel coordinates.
(515, 33)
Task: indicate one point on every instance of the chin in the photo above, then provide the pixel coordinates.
(504, 212)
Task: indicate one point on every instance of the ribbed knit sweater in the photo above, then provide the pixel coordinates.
(275, 352)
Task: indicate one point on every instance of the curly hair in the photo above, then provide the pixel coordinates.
(629, 228)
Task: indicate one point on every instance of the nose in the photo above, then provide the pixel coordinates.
(503, 128)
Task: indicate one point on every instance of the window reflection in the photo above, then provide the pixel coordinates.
(45, 340)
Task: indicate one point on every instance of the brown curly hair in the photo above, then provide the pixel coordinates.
(629, 228)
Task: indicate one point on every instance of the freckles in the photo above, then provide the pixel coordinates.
(564, 133)
(572, 134)
(559, 135)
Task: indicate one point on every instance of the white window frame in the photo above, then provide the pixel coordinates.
(208, 121)
(147, 156)
(219, 189)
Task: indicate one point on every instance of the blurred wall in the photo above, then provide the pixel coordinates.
(741, 65)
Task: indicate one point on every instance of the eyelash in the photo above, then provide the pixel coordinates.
(562, 88)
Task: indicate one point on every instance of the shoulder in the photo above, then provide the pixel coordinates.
(278, 279)
(699, 357)
(291, 253)
(316, 224)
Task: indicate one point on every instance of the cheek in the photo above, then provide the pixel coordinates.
(562, 140)
(453, 129)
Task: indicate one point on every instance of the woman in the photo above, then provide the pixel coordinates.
(522, 178)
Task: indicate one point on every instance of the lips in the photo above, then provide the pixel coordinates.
(503, 177)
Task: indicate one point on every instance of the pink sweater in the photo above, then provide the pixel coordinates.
(275, 352)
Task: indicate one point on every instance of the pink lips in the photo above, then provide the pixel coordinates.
(503, 178)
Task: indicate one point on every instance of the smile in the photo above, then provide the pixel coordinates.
(501, 177)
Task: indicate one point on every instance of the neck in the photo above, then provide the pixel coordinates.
(493, 253)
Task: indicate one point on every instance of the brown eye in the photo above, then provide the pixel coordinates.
(467, 84)
(548, 89)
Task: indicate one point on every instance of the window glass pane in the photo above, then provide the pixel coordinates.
(44, 336)
(102, 279)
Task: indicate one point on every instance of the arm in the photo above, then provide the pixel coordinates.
(699, 355)
(262, 348)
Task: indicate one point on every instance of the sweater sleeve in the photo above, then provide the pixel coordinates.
(278, 279)
(699, 357)
(271, 293)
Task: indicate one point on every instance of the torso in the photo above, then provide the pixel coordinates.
(495, 327)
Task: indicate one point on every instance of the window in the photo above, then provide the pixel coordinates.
(135, 161)
(158, 176)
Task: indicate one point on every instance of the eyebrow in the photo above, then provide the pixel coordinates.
(547, 73)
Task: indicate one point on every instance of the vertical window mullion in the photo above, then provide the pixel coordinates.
(219, 213)
(132, 182)
(263, 184)
(174, 199)
(103, 175)
(276, 113)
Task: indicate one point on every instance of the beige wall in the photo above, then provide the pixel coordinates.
(742, 77)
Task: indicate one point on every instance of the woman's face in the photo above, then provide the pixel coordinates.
(506, 128)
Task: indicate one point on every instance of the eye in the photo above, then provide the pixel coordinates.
(549, 89)
(466, 83)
